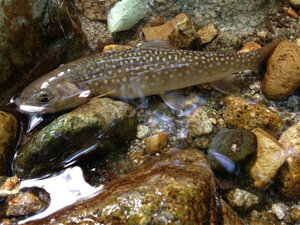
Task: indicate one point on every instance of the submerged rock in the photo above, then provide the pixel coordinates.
(207, 33)
(156, 143)
(8, 134)
(247, 114)
(270, 156)
(283, 71)
(232, 145)
(229, 216)
(100, 124)
(199, 123)
(289, 174)
(177, 188)
(242, 200)
(9, 186)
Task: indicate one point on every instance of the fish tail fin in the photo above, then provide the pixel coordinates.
(262, 55)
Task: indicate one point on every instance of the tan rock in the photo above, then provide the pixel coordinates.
(295, 3)
(241, 200)
(246, 114)
(8, 133)
(298, 42)
(156, 143)
(250, 46)
(282, 77)
(229, 216)
(199, 123)
(268, 160)
(289, 175)
(179, 31)
(207, 33)
(110, 48)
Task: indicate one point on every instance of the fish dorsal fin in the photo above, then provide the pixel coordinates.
(157, 44)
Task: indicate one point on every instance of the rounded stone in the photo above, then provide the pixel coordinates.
(156, 143)
(199, 123)
(282, 77)
(241, 200)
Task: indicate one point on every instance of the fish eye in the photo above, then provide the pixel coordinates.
(44, 97)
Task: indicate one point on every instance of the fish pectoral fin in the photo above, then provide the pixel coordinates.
(108, 93)
(173, 99)
(229, 84)
(157, 44)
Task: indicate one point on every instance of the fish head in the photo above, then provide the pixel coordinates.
(50, 95)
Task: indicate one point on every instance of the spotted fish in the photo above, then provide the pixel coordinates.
(149, 69)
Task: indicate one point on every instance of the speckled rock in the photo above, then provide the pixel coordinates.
(143, 131)
(199, 123)
(241, 200)
(8, 133)
(25, 202)
(179, 31)
(9, 186)
(178, 188)
(289, 174)
(207, 33)
(279, 210)
(270, 156)
(246, 114)
(100, 124)
(94, 9)
(156, 143)
(282, 77)
(229, 216)
(234, 145)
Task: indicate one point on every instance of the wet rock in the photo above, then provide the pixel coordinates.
(100, 124)
(8, 134)
(295, 3)
(179, 31)
(279, 210)
(178, 188)
(250, 46)
(229, 216)
(262, 218)
(143, 131)
(25, 202)
(9, 186)
(289, 175)
(246, 114)
(270, 156)
(199, 123)
(156, 143)
(94, 9)
(295, 212)
(242, 200)
(110, 48)
(32, 41)
(292, 13)
(260, 222)
(207, 33)
(231, 144)
(282, 77)
(298, 42)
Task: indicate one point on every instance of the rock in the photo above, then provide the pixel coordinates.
(270, 156)
(289, 175)
(9, 186)
(242, 200)
(250, 46)
(99, 124)
(156, 143)
(260, 222)
(295, 3)
(8, 134)
(32, 41)
(199, 123)
(246, 114)
(179, 31)
(295, 213)
(94, 9)
(143, 131)
(292, 13)
(231, 144)
(298, 42)
(229, 216)
(25, 203)
(207, 33)
(282, 77)
(177, 188)
(279, 210)
(110, 48)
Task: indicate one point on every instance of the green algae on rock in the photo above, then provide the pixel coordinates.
(179, 188)
(100, 124)
(247, 114)
(8, 134)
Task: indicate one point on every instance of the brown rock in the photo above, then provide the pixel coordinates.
(229, 216)
(241, 200)
(8, 133)
(289, 174)
(179, 32)
(283, 71)
(246, 114)
(156, 142)
(110, 48)
(207, 33)
(250, 46)
(268, 160)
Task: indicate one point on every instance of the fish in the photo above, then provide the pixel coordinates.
(151, 68)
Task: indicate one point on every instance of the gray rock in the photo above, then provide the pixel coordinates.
(100, 124)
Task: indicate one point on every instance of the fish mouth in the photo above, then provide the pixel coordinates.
(29, 109)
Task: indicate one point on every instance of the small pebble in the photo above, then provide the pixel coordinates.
(295, 213)
(9, 186)
(279, 210)
(199, 123)
(242, 200)
(292, 13)
(156, 143)
(207, 33)
(250, 46)
(112, 47)
(143, 131)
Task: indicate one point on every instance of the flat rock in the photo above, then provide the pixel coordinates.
(8, 134)
(247, 114)
(270, 156)
(100, 124)
(282, 77)
(178, 188)
(289, 174)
